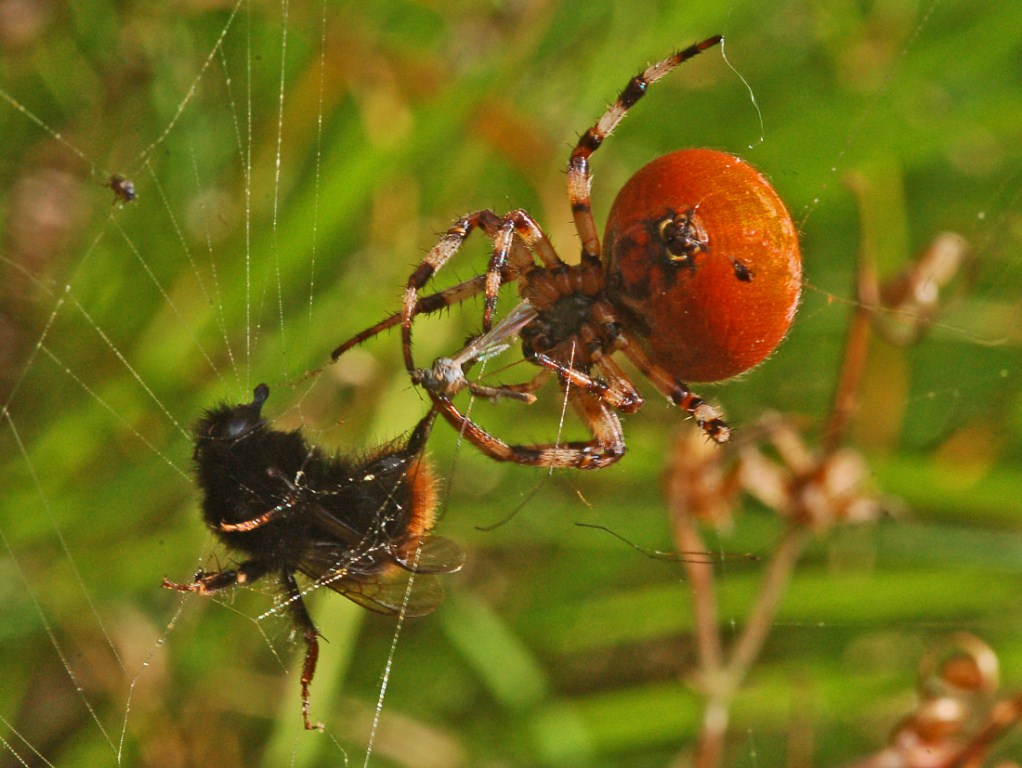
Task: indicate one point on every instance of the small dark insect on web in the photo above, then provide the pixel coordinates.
(123, 188)
(361, 527)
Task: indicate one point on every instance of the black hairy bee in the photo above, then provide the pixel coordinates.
(361, 527)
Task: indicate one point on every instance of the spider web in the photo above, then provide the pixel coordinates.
(291, 163)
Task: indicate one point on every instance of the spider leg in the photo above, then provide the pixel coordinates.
(517, 260)
(417, 440)
(514, 237)
(206, 583)
(707, 417)
(628, 399)
(618, 393)
(521, 224)
(300, 615)
(425, 306)
(579, 175)
(530, 386)
(507, 391)
(605, 448)
(435, 260)
(523, 391)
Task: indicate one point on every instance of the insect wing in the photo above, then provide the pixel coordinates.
(435, 555)
(384, 591)
(365, 552)
(496, 340)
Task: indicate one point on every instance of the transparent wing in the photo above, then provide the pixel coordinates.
(436, 555)
(385, 590)
(498, 338)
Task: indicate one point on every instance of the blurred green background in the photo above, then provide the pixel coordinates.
(293, 163)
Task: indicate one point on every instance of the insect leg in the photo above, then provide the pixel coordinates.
(208, 582)
(303, 621)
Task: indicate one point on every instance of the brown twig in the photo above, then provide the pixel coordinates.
(761, 618)
(704, 595)
(717, 676)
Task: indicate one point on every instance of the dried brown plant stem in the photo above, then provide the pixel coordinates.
(854, 359)
(721, 674)
(775, 582)
(704, 595)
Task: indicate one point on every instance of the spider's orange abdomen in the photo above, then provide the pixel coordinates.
(701, 250)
